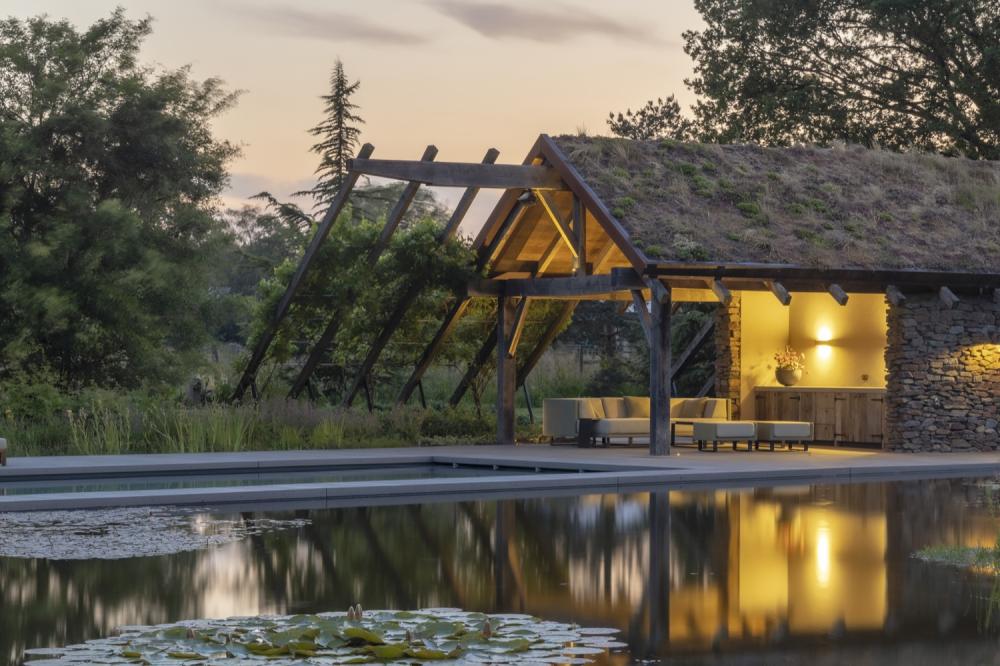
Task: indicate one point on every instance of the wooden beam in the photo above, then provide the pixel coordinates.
(483, 355)
(404, 302)
(548, 256)
(707, 387)
(517, 329)
(506, 370)
(432, 350)
(322, 231)
(490, 251)
(948, 297)
(546, 340)
(894, 295)
(580, 229)
(463, 174)
(642, 311)
(617, 280)
(659, 375)
(779, 292)
(720, 291)
(603, 257)
(399, 210)
(340, 309)
(699, 339)
(838, 293)
(562, 226)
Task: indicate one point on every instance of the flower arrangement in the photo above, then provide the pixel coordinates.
(789, 359)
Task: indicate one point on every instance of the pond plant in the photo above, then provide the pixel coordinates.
(432, 635)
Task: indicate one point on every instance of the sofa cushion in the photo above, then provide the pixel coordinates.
(716, 408)
(626, 426)
(614, 408)
(692, 408)
(636, 407)
(591, 408)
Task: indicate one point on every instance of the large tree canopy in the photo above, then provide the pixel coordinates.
(919, 74)
(108, 174)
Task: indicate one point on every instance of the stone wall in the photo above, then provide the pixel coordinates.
(943, 375)
(727, 352)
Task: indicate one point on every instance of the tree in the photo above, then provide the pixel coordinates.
(901, 74)
(338, 135)
(662, 119)
(108, 173)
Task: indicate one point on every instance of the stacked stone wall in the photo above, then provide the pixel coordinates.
(943, 375)
(727, 352)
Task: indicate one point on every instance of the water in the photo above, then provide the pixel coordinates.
(782, 575)
(343, 474)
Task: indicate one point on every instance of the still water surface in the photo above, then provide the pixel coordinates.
(769, 575)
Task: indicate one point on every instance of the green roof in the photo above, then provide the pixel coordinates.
(842, 207)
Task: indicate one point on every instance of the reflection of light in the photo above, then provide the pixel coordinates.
(823, 556)
(824, 334)
(824, 352)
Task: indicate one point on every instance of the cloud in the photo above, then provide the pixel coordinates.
(329, 26)
(557, 23)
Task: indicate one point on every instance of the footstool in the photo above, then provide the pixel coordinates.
(3, 451)
(713, 432)
(788, 433)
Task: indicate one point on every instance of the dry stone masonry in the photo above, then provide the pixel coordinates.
(943, 375)
(727, 354)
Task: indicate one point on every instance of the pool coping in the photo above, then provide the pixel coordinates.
(630, 472)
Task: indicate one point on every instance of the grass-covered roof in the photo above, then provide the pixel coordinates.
(846, 207)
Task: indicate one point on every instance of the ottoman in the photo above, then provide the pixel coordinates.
(784, 432)
(713, 432)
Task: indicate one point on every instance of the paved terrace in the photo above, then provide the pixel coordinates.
(592, 470)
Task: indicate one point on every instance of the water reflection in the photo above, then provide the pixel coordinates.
(766, 570)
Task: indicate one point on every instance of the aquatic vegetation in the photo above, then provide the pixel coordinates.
(115, 534)
(356, 637)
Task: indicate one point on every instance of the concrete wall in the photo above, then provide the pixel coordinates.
(844, 346)
(943, 375)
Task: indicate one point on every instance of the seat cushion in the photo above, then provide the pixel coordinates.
(781, 431)
(718, 431)
(716, 408)
(627, 426)
(636, 407)
(692, 408)
(591, 408)
(614, 408)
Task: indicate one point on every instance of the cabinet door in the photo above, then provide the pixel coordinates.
(875, 418)
(824, 416)
(841, 418)
(790, 406)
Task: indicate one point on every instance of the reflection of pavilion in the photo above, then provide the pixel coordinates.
(748, 568)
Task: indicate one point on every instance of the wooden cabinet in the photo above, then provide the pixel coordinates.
(839, 415)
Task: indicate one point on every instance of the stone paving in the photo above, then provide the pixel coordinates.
(606, 470)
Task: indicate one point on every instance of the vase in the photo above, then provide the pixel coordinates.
(788, 376)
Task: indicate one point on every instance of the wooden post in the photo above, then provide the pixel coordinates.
(322, 231)
(506, 371)
(580, 229)
(659, 373)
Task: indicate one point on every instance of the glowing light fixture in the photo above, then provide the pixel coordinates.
(824, 334)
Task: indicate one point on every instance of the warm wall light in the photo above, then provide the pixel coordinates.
(824, 334)
(824, 352)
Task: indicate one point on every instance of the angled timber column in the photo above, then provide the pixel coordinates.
(322, 231)
(340, 309)
(506, 369)
(659, 370)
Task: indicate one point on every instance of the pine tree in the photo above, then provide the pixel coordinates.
(338, 137)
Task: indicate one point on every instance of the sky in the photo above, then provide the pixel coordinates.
(464, 75)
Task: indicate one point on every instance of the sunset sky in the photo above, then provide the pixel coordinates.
(464, 75)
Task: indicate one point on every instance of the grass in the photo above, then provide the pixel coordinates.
(712, 193)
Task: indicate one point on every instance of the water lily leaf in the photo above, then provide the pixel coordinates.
(362, 634)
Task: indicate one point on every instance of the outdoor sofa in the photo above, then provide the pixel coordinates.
(588, 419)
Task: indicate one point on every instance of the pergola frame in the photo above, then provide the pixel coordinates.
(616, 270)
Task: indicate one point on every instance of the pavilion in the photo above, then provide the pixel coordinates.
(883, 266)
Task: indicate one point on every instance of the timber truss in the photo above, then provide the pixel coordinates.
(545, 204)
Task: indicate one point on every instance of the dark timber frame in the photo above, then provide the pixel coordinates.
(551, 237)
